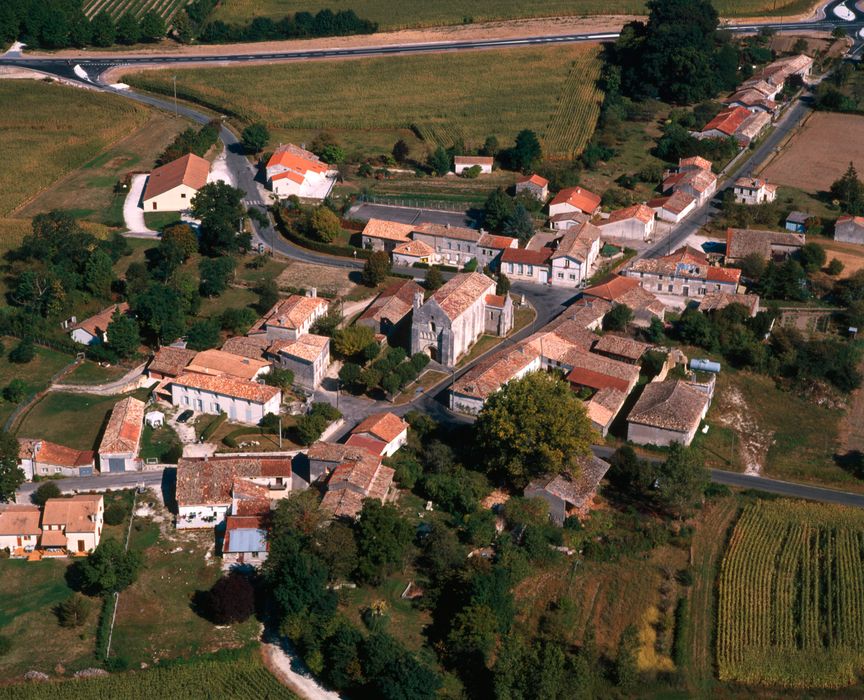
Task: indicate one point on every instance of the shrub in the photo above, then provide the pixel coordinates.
(115, 514)
(472, 172)
(5, 645)
(73, 611)
(23, 353)
(835, 267)
(45, 491)
(230, 600)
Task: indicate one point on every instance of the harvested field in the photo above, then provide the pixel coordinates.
(825, 144)
(327, 280)
(442, 98)
(850, 254)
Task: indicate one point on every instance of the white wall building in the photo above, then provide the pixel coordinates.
(171, 187)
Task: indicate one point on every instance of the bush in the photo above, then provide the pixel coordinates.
(835, 267)
(472, 172)
(23, 353)
(685, 577)
(230, 600)
(115, 514)
(45, 491)
(682, 619)
(73, 611)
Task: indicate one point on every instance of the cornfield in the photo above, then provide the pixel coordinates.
(791, 597)
(166, 9)
(578, 108)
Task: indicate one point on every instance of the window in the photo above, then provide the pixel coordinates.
(560, 275)
(531, 270)
(182, 195)
(449, 245)
(685, 291)
(572, 277)
(521, 269)
(702, 290)
(659, 287)
(670, 287)
(509, 267)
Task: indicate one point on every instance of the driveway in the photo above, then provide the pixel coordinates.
(220, 170)
(133, 214)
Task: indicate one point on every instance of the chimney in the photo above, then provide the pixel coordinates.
(418, 299)
(448, 225)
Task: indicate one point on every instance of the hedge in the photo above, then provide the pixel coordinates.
(342, 251)
(231, 438)
(680, 652)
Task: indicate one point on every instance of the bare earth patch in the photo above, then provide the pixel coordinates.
(330, 280)
(753, 442)
(820, 152)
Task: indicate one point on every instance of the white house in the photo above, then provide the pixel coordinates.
(308, 358)
(241, 400)
(753, 190)
(574, 200)
(674, 207)
(291, 317)
(172, 186)
(43, 458)
(634, 223)
(118, 450)
(19, 528)
(73, 524)
(535, 185)
(463, 163)
(292, 170)
(93, 330)
(412, 252)
(575, 254)
(389, 428)
(849, 229)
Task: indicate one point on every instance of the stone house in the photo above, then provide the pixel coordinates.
(490, 248)
(387, 427)
(169, 361)
(673, 208)
(308, 357)
(350, 483)
(619, 289)
(769, 245)
(412, 252)
(453, 245)
(568, 495)
(121, 441)
(753, 190)
(535, 185)
(469, 393)
(93, 330)
(291, 317)
(634, 223)
(849, 229)
(390, 312)
(574, 256)
(574, 200)
(666, 412)
(241, 400)
(524, 265)
(45, 458)
(385, 235)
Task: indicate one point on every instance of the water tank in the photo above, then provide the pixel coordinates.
(703, 365)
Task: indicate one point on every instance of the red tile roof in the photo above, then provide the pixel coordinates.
(371, 445)
(612, 288)
(641, 212)
(189, 170)
(76, 514)
(489, 240)
(695, 161)
(170, 361)
(723, 274)
(18, 519)
(291, 313)
(496, 300)
(578, 197)
(51, 453)
(98, 323)
(123, 432)
(297, 160)
(473, 160)
(228, 386)
(674, 203)
(669, 405)
(728, 120)
(384, 426)
(211, 481)
(394, 303)
(534, 179)
(461, 291)
(527, 257)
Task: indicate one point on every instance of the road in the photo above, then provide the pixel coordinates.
(100, 482)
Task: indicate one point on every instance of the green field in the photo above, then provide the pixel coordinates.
(53, 130)
(36, 374)
(791, 597)
(442, 98)
(422, 13)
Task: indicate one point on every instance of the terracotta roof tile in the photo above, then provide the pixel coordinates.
(416, 249)
(384, 426)
(247, 346)
(489, 240)
(577, 241)
(18, 519)
(211, 481)
(291, 313)
(728, 120)
(459, 233)
(308, 347)
(170, 361)
(387, 230)
(574, 490)
(76, 514)
(489, 375)
(595, 371)
(51, 453)
(527, 257)
(219, 363)
(461, 291)
(296, 159)
(670, 405)
(578, 197)
(534, 179)
(621, 346)
(742, 242)
(98, 323)
(189, 170)
(371, 445)
(639, 212)
(394, 303)
(473, 160)
(694, 162)
(228, 386)
(123, 432)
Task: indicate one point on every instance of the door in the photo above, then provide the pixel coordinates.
(80, 545)
(85, 471)
(116, 464)
(544, 276)
(19, 540)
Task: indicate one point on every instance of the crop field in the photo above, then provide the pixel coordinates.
(791, 597)
(422, 13)
(166, 9)
(41, 143)
(442, 98)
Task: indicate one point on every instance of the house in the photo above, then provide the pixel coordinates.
(241, 400)
(768, 245)
(463, 163)
(752, 127)
(469, 393)
(668, 411)
(686, 273)
(634, 223)
(568, 495)
(171, 187)
(499, 314)
(412, 252)
(352, 482)
(849, 229)
(324, 457)
(621, 348)
(253, 347)
(534, 185)
(753, 190)
(45, 458)
(72, 524)
(294, 171)
(779, 71)
(694, 163)
(118, 450)
(390, 312)
(619, 289)
(19, 528)
(574, 199)
(754, 96)
(386, 427)
(725, 125)
(308, 358)
(567, 219)
(209, 489)
(168, 362)
(453, 245)
(290, 318)
(796, 222)
(384, 235)
(592, 371)
(603, 407)
(245, 542)
(714, 301)
(93, 330)
(672, 208)
(524, 265)
(448, 323)
(490, 248)
(219, 363)
(574, 255)
(698, 183)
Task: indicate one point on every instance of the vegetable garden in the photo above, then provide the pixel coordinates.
(166, 9)
(791, 597)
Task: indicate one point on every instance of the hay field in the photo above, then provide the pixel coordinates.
(820, 152)
(440, 97)
(53, 130)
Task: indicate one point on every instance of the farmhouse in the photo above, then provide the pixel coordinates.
(290, 318)
(463, 163)
(352, 482)
(245, 542)
(386, 427)
(567, 219)
(575, 254)
(72, 524)
(490, 248)
(755, 95)
(525, 265)
(252, 346)
(668, 411)
(753, 190)
(769, 245)
(241, 400)
(574, 200)
(219, 363)
(567, 495)
(779, 71)
(390, 312)
(725, 124)
(634, 223)
(453, 318)
(412, 252)
(19, 528)
(118, 450)
(385, 235)
(849, 229)
(621, 348)
(672, 208)
(714, 301)
(324, 457)
(295, 171)
(44, 458)
(93, 330)
(629, 292)
(535, 185)
(603, 408)
(698, 183)
(471, 390)
(172, 186)
(592, 371)
(453, 245)
(308, 358)
(168, 362)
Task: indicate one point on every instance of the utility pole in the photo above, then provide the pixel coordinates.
(280, 431)
(175, 94)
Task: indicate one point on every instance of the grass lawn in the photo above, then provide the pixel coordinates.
(255, 275)
(484, 344)
(89, 372)
(139, 247)
(36, 374)
(160, 443)
(230, 298)
(368, 104)
(55, 124)
(157, 220)
(89, 190)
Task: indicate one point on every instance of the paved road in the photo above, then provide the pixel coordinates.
(101, 482)
(408, 215)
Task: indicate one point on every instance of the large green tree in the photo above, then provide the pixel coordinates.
(681, 479)
(11, 476)
(383, 536)
(532, 426)
(152, 26)
(123, 335)
(255, 137)
(526, 152)
(849, 191)
(109, 568)
(160, 313)
(220, 209)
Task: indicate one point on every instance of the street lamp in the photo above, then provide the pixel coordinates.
(174, 77)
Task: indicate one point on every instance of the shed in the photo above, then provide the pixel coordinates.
(155, 419)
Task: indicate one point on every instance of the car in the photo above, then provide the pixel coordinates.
(186, 415)
(261, 248)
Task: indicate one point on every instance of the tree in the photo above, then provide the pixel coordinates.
(237, 321)
(526, 152)
(439, 161)
(849, 190)
(350, 341)
(123, 335)
(152, 26)
(376, 269)
(160, 313)
(180, 238)
(490, 146)
(835, 267)
(230, 600)
(98, 274)
(349, 374)
(203, 335)
(268, 295)
(215, 274)
(324, 224)
(109, 568)
(220, 209)
(104, 32)
(752, 266)
(531, 426)
(392, 673)
(400, 151)
(23, 353)
(618, 318)
(628, 474)
(15, 391)
(338, 549)
(11, 475)
(497, 210)
(681, 479)
(502, 285)
(520, 223)
(279, 377)
(73, 611)
(342, 650)
(128, 29)
(255, 137)
(383, 536)
(434, 278)
(45, 491)
(626, 662)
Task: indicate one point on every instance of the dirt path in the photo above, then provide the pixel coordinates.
(291, 672)
(128, 382)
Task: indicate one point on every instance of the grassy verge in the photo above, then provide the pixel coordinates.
(93, 373)
(36, 374)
